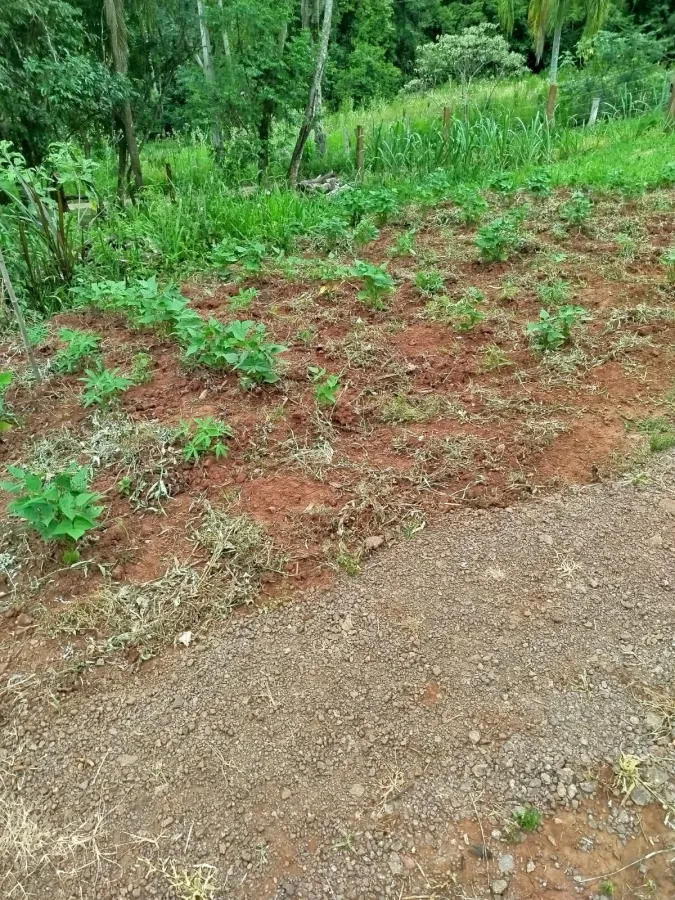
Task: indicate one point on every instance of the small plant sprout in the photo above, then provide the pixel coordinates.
(668, 260)
(553, 291)
(495, 358)
(576, 211)
(102, 386)
(377, 284)
(141, 368)
(365, 232)
(81, 347)
(471, 206)
(554, 330)
(6, 419)
(429, 283)
(327, 386)
(528, 818)
(404, 245)
(499, 238)
(539, 183)
(60, 507)
(608, 888)
(661, 434)
(243, 298)
(202, 436)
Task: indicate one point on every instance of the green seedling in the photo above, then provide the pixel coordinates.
(247, 255)
(202, 436)
(496, 240)
(377, 284)
(554, 330)
(37, 333)
(243, 298)
(555, 291)
(576, 211)
(404, 245)
(528, 819)
(668, 260)
(327, 387)
(661, 434)
(608, 888)
(429, 283)
(58, 507)
(471, 206)
(103, 386)
(82, 347)
(495, 358)
(141, 368)
(6, 419)
(331, 234)
(365, 233)
(539, 183)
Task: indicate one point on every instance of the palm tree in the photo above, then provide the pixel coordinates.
(546, 15)
(119, 50)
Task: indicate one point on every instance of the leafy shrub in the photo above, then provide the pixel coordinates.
(249, 255)
(365, 232)
(331, 234)
(471, 206)
(503, 182)
(81, 347)
(57, 507)
(539, 183)
(379, 203)
(141, 368)
(102, 386)
(202, 436)
(243, 298)
(495, 358)
(327, 388)
(554, 330)
(429, 283)
(377, 283)
(575, 211)
(496, 240)
(143, 303)
(462, 314)
(6, 420)
(241, 346)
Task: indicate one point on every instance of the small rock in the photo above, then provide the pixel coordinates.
(285, 793)
(373, 542)
(668, 505)
(546, 539)
(474, 736)
(436, 670)
(395, 864)
(177, 702)
(499, 886)
(347, 624)
(640, 795)
(23, 620)
(126, 760)
(530, 867)
(481, 851)
(288, 888)
(654, 721)
(588, 787)
(506, 864)
(480, 770)
(655, 541)
(357, 790)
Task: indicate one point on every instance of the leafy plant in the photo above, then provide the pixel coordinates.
(429, 283)
(495, 358)
(528, 818)
(380, 203)
(539, 183)
(471, 206)
(556, 290)
(327, 388)
(331, 233)
(668, 260)
(608, 888)
(141, 368)
(554, 330)
(37, 333)
(57, 507)
(243, 298)
(6, 420)
(249, 255)
(575, 211)
(462, 314)
(499, 238)
(102, 386)
(365, 232)
(377, 283)
(661, 434)
(81, 347)
(202, 436)
(404, 245)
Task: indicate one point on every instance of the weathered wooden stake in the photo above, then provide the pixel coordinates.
(19, 316)
(595, 106)
(345, 141)
(360, 150)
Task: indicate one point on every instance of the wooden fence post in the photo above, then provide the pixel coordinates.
(360, 150)
(595, 106)
(550, 104)
(446, 124)
(345, 141)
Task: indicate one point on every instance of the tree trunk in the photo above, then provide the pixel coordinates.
(122, 169)
(555, 54)
(209, 74)
(264, 135)
(226, 40)
(314, 96)
(319, 133)
(119, 50)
